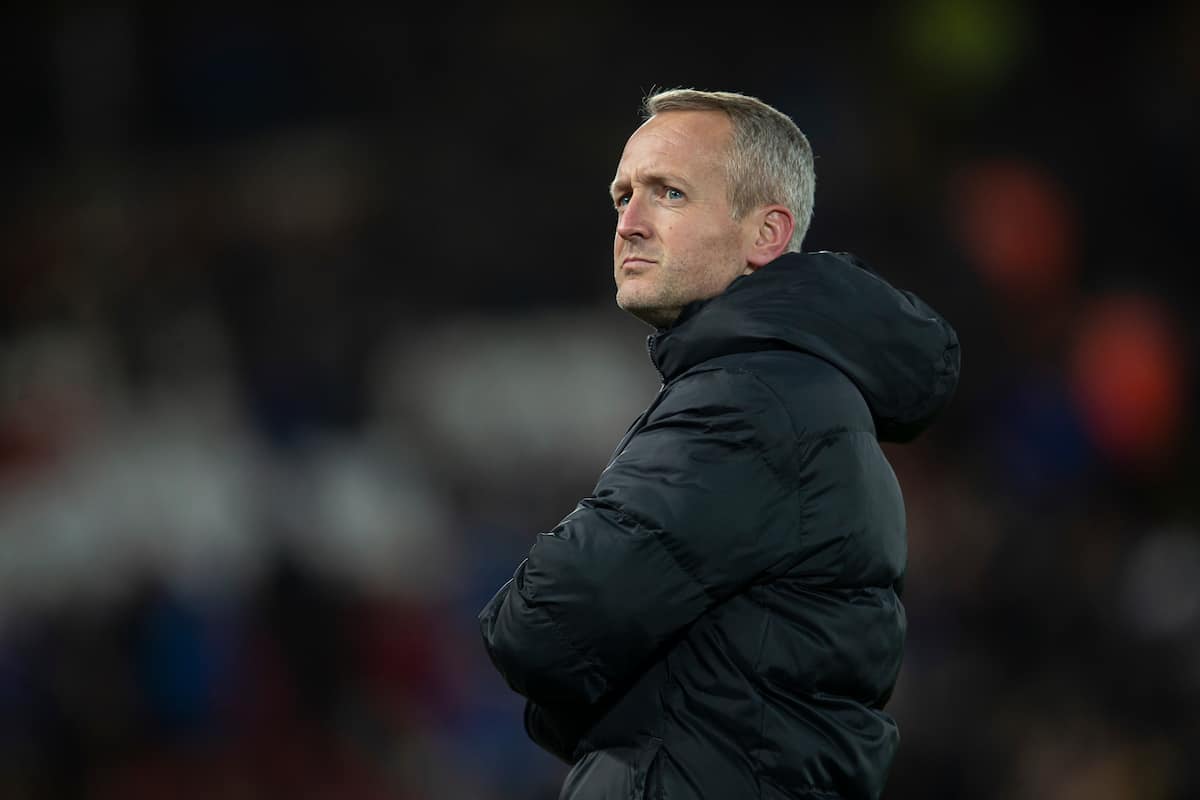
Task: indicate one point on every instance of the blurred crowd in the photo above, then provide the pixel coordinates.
(307, 329)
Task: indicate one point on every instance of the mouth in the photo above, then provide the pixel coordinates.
(636, 263)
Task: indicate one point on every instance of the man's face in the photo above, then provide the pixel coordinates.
(675, 241)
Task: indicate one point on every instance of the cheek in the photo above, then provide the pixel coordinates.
(713, 255)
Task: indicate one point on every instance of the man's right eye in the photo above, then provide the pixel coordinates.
(622, 200)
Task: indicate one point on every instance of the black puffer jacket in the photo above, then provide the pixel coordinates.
(721, 617)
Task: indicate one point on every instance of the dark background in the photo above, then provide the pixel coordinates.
(306, 330)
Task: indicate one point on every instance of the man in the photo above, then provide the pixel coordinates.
(721, 617)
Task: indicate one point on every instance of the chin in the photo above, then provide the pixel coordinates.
(653, 315)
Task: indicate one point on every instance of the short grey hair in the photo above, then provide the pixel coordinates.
(770, 160)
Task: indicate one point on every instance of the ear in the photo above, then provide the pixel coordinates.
(772, 232)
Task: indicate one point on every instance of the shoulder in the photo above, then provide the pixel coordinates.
(810, 396)
(723, 392)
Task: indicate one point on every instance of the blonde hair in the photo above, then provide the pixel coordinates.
(770, 160)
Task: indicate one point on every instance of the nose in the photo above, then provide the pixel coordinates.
(632, 220)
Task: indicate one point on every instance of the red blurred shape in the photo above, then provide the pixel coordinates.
(1128, 374)
(1018, 228)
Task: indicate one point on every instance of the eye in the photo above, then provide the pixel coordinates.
(622, 200)
(672, 193)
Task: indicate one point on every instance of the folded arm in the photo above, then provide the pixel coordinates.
(699, 504)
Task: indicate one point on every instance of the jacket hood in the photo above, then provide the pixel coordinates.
(898, 351)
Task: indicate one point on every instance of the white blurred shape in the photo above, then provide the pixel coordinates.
(501, 394)
(358, 512)
(162, 495)
(1161, 591)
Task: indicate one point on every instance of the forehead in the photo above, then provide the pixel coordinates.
(692, 141)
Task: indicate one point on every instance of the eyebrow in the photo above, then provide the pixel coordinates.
(653, 179)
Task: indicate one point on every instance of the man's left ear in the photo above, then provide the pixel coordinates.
(772, 235)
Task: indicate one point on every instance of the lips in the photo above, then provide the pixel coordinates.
(636, 262)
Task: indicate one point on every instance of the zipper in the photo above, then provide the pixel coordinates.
(651, 346)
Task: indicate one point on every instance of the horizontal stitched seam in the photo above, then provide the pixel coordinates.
(659, 536)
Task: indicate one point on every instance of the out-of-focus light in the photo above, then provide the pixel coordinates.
(964, 45)
(1037, 436)
(1159, 593)
(1018, 228)
(1128, 373)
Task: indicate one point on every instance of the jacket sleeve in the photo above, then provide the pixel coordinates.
(697, 506)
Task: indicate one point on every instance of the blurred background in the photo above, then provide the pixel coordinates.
(307, 329)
